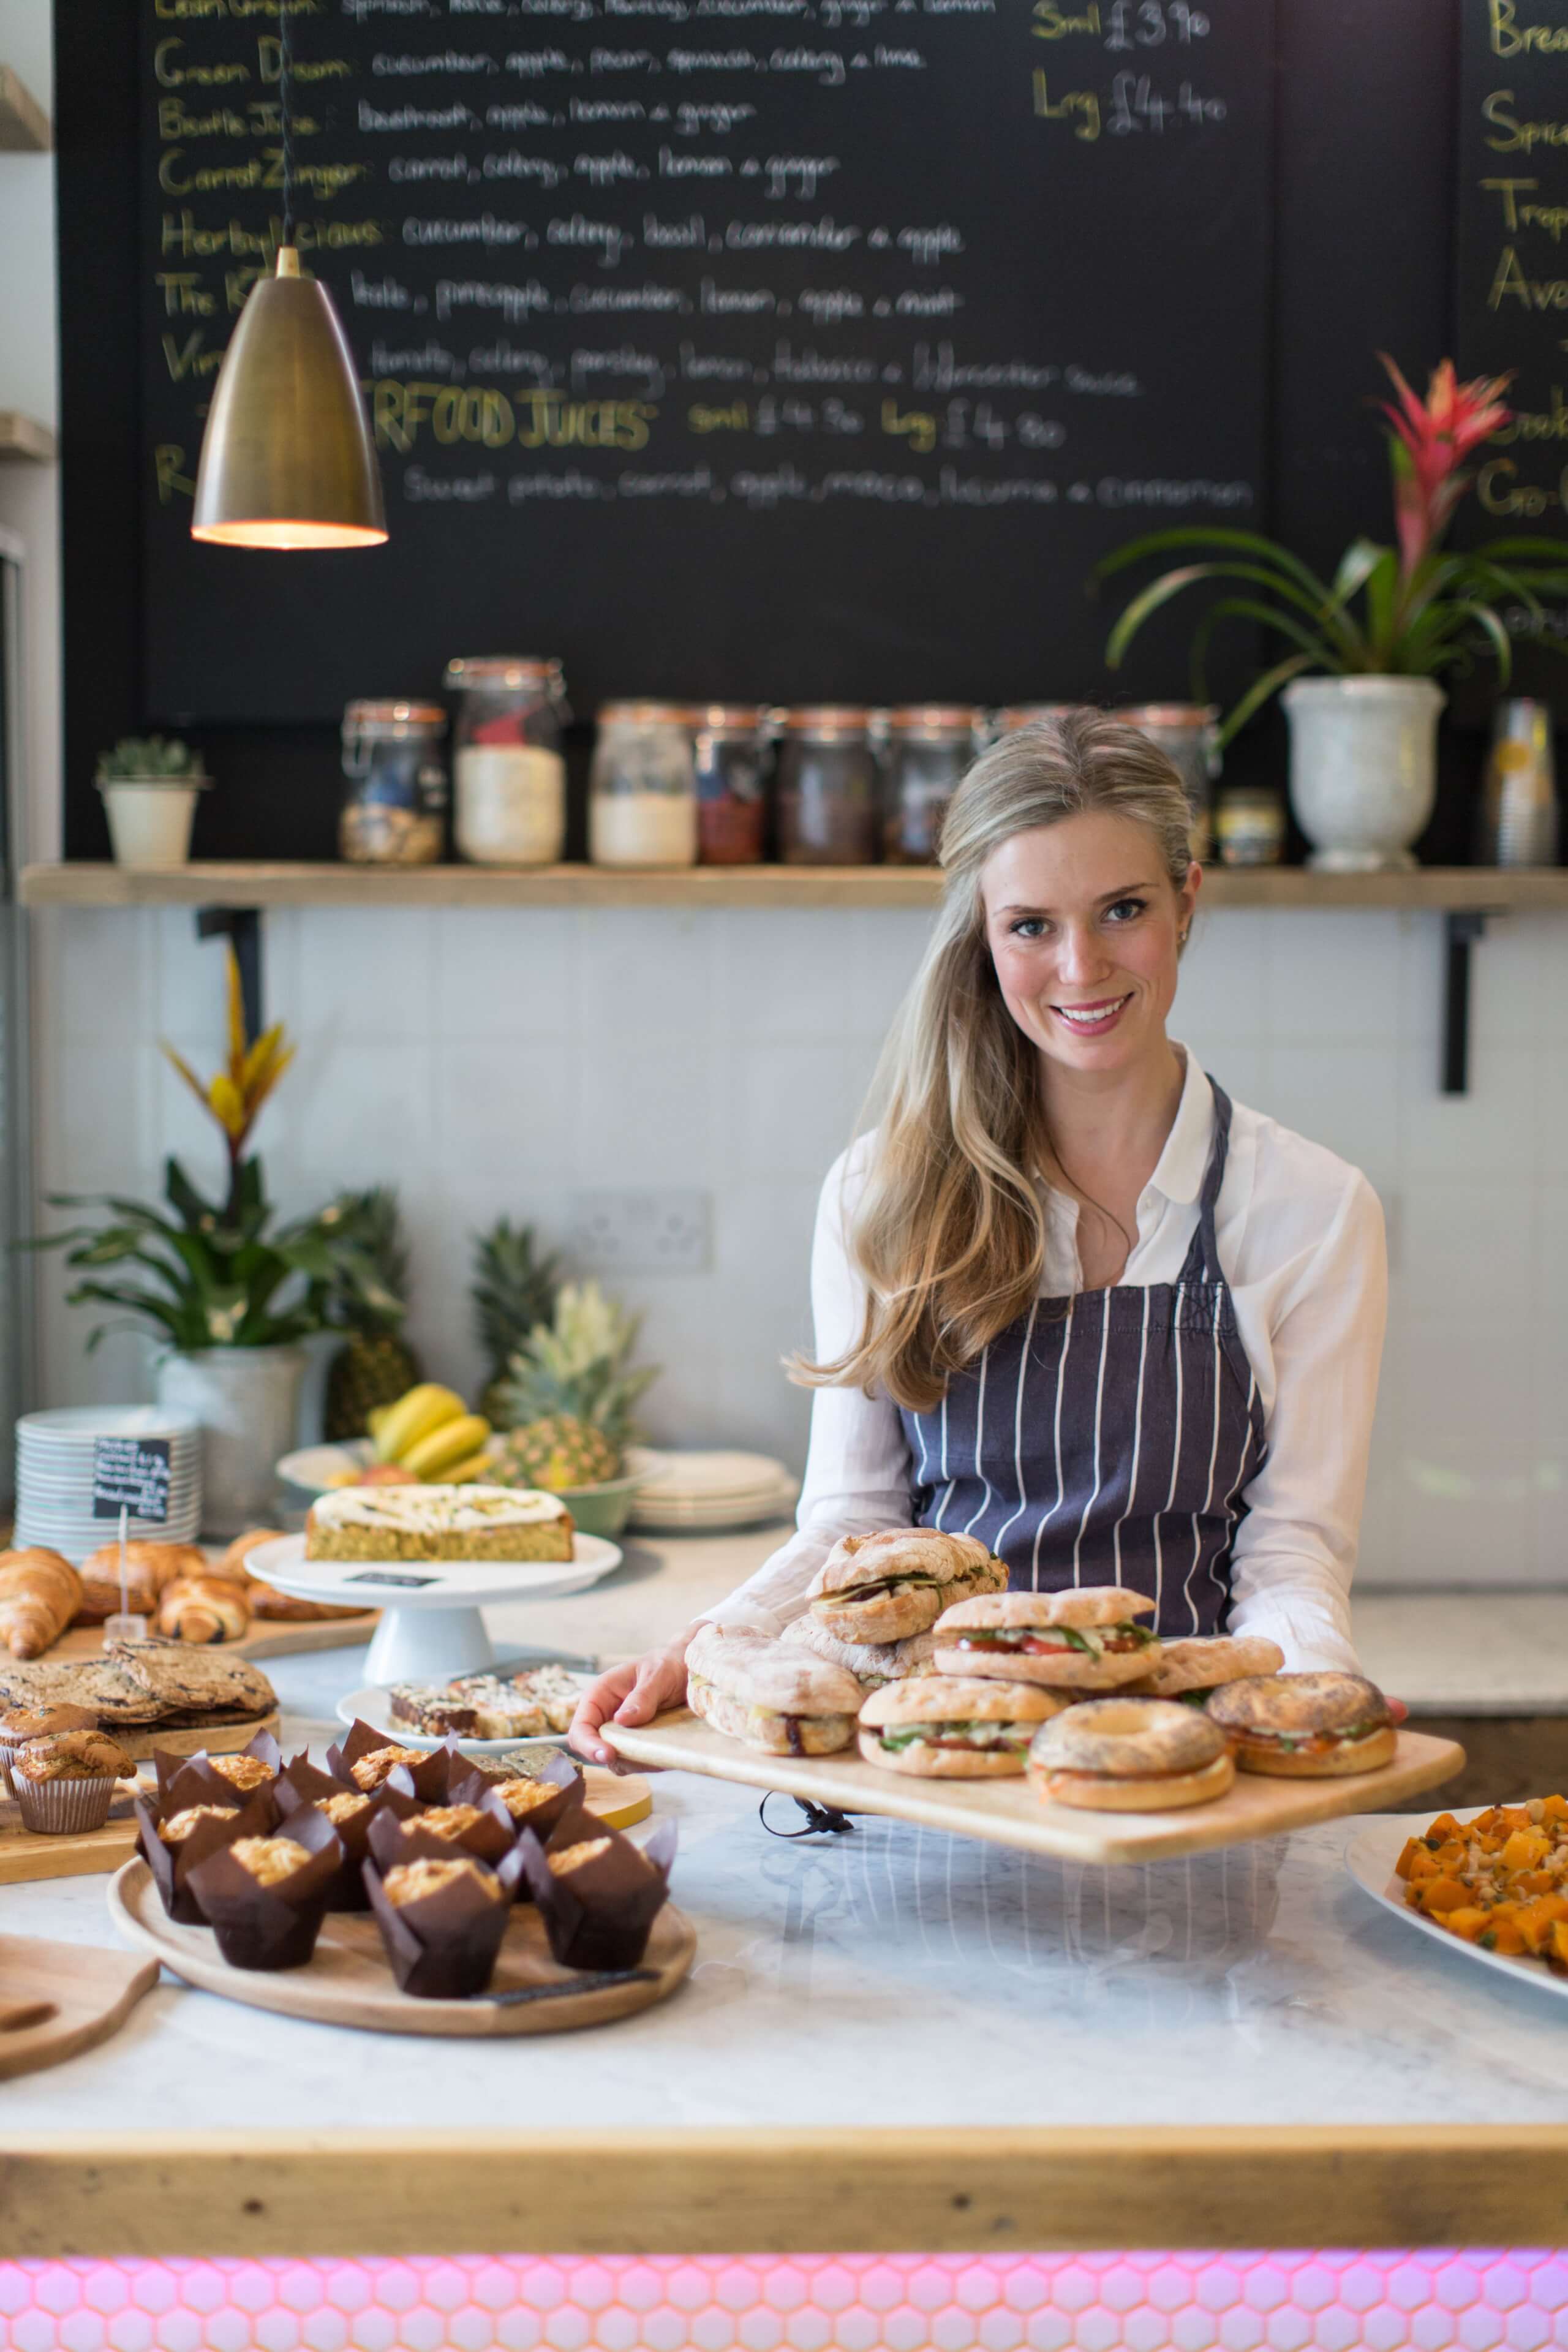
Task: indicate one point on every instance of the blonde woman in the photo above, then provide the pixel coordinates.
(1069, 1298)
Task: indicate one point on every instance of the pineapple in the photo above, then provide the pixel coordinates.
(567, 1399)
(556, 1452)
(376, 1365)
(512, 1291)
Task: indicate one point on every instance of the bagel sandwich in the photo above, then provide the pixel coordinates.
(1305, 1727)
(1088, 1640)
(883, 1588)
(1130, 1756)
(954, 1726)
(872, 1663)
(1196, 1664)
(781, 1702)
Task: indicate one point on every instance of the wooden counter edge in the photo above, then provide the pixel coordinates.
(714, 2191)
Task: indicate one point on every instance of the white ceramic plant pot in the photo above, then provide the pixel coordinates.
(1363, 768)
(150, 818)
(246, 1400)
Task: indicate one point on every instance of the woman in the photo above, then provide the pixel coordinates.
(1069, 1298)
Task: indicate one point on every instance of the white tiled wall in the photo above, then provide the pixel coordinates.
(491, 1062)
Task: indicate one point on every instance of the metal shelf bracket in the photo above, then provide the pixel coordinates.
(242, 925)
(1461, 929)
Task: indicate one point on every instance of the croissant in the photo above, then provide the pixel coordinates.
(264, 1598)
(202, 1609)
(149, 1567)
(40, 1592)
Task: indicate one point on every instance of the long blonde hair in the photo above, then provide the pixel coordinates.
(949, 1233)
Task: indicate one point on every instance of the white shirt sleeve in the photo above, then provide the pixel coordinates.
(1295, 1551)
(857, 1467)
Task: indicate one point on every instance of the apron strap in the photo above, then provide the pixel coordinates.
(1202, 1256)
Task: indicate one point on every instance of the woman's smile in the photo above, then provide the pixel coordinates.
(1094, 1020)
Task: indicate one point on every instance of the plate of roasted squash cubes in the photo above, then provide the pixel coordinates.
(1493, 1880)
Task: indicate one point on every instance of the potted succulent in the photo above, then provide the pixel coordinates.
(1378, 634)
(150, 786)
(227, 1292)
(566, 1408)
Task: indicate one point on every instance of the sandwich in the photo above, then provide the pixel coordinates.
(781, 1702)
(1191, 1667)
(954, 1726)
(872, 1663)
(1087, 1640)
(1305, 1727)
(883, 1588)
(1130, 1756)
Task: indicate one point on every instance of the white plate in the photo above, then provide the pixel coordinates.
(439, 1583)
(373, 1706)
(314, 1467)
(1369, 1859)
(671, 1518)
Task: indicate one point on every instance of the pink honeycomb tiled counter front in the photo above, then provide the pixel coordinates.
(1295, 2301)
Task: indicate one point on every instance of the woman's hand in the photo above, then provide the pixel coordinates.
(630, 1694)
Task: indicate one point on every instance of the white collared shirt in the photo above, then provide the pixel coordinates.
(1302, 1245)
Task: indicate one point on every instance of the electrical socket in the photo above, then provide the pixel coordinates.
(642, 1232)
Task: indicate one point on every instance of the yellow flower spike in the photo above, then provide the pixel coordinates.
(228, 1104)
(236, 1018)
(188, 1074)
(260, 1054)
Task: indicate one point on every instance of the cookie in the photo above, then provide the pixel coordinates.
(101, 1685)
(203, 1679)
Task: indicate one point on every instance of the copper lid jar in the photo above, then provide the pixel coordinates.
(829, 784)
(1188, 734)
(731, 747)
(930, 746)
(395, 808)
(642, 788)
(1013, 715)
(509, 772)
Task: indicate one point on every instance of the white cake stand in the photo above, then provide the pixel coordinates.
(431, 1626)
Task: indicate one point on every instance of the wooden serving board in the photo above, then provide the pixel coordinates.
(619, 1798)
(1008, 1812)
(348, 1982)
(267, 1637)
(140, 1739)
(24, 1854)
(92, 1992)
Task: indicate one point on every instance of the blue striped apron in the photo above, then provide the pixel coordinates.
(1108, 1438)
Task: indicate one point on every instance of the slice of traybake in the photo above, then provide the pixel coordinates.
(468, 1523)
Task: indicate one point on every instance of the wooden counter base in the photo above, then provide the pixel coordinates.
(701, 2191)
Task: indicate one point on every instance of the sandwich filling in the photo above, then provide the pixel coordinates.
(759, 1718)
(916, 1580)
(1310, 1743)
(1015, 1737)
(1053, 1640)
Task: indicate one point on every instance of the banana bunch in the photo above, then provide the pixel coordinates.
(431, 1433)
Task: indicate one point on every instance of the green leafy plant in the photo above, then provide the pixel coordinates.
(137, 756)
(1412, 610)
(211, 1274)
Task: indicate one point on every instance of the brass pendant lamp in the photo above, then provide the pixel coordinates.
(287, 460)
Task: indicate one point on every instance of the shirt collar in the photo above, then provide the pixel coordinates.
(1179, 1171)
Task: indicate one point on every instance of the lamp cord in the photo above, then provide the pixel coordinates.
(286, 83)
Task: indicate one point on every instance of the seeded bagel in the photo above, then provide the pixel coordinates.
(1129, 1755)
(1305, 1727)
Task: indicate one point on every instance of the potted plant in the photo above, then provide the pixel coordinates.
(1379, 634)
(228, 1293)
(150, 786)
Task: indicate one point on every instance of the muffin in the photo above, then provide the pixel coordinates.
(372, 1770)
(174, 1840)
(247, 1773)
(264, 1895)
(183, 1825)
(20, 1724)
(442, 1919)
(597, 1893)
(65, 1781)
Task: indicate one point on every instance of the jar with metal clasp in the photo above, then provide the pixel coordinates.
(510, 770)
(394, 810)
(829, 784)
(732, 749)
(930, 746)
(1188, 734)
(642, 788)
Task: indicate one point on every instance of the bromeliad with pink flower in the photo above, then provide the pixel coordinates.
(1412, 610)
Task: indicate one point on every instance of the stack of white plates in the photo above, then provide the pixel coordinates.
(704, 1491)
(54, 1476)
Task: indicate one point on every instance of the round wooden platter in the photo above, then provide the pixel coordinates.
(347, 1982)
(269, 1637)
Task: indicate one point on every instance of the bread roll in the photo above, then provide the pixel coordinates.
(202, 1609)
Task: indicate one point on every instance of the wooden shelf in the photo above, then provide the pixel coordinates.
(25, 128)
(25, 437)
(247, 883)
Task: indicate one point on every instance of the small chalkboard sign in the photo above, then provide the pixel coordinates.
(131, 1474)
(388, 1576)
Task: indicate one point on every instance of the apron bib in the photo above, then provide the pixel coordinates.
(1107, 1438)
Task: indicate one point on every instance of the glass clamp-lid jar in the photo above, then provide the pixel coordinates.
(829, 784)
(1188, 734)
(395, 808)
(1013, 715)
(508, 770)
(642, 787)
(733, 749)
(929, 745)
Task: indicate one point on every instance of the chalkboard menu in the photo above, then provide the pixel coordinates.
(1512, 253)
(796, 349)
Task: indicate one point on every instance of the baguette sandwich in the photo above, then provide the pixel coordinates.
(781, 1702)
